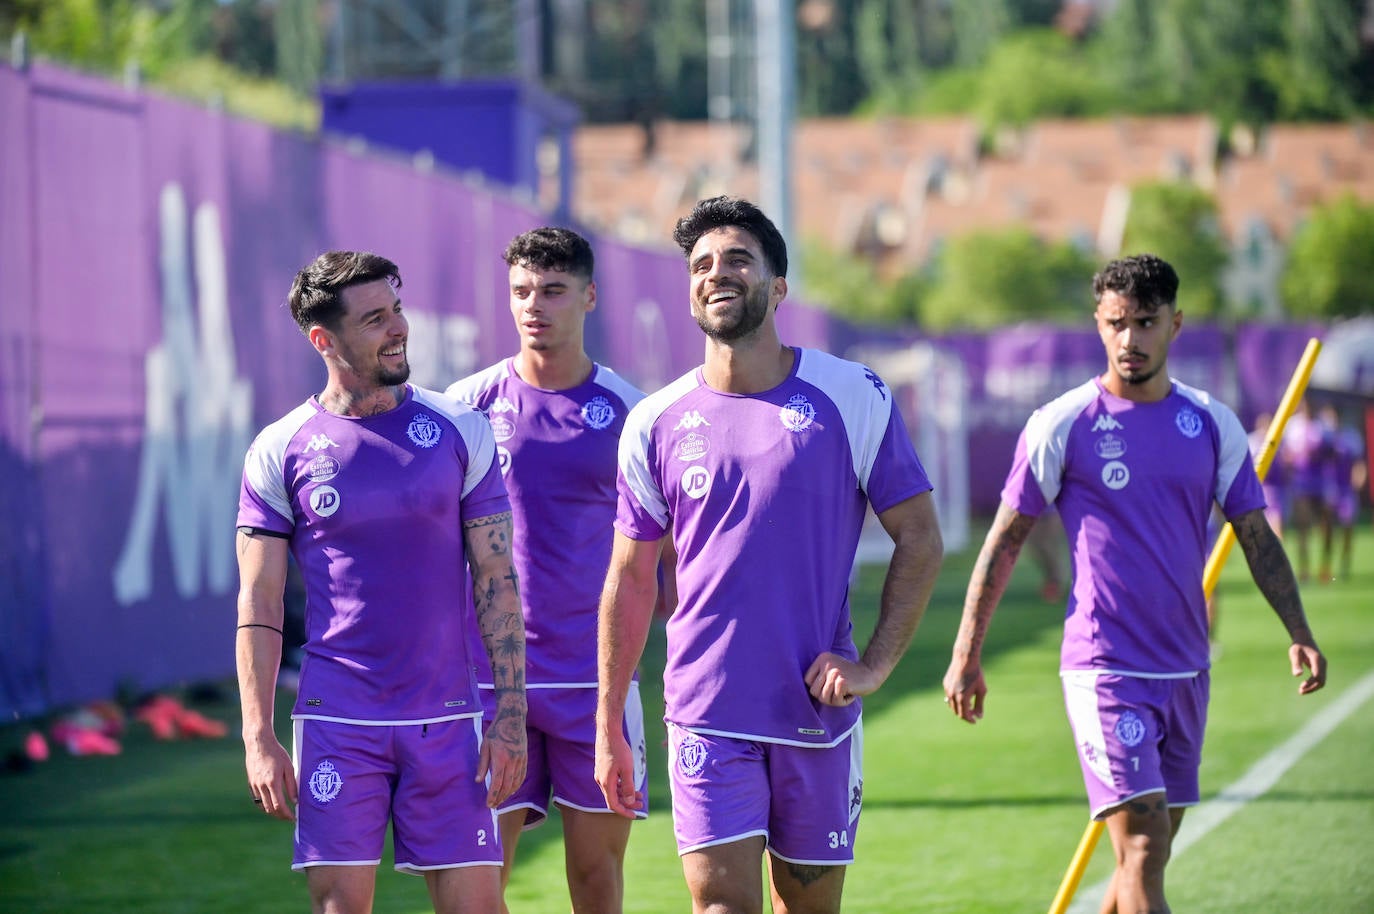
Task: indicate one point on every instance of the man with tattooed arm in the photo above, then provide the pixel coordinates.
(1134, 461)
(381, 491)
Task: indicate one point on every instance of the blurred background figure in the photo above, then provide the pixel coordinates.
(1342, 470)
(1275, 492)
(1300, 453)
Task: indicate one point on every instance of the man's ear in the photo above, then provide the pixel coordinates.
(777, 290)
(321, 339)
(591, 295)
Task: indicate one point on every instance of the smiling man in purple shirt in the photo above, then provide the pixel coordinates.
(383, 493)
(759, 465)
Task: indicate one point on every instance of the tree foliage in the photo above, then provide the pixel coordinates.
(992, 278)
(1033, 74)
(851, 286)
(1330, 270)
(1178, 222)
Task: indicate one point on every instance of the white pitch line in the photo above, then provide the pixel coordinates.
(1256, 782)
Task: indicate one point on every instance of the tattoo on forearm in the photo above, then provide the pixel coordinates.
(508, 724)
(493, 532)
(991, 572)
(1271, 570)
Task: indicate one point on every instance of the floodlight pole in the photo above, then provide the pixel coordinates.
(775, 30)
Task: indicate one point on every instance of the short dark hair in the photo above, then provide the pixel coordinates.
(719, 212)
(1147, 279)
(316, 292)
(551, 248)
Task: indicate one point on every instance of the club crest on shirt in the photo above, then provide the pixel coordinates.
(598, 413)
(1188, 422)
(325, 782)
(797, 413)
(1109, 447)
(322, 469)
(423, 430)
(503, 459)
(1130, 729)
(1115, 475)
(692, 447)
(691, 755)
(324, 500)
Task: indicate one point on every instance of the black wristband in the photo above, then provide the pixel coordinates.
(271, 628)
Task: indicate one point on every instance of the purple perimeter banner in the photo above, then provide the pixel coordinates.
(146, 248)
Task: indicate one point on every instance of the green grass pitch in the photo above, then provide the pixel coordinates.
(957, 819)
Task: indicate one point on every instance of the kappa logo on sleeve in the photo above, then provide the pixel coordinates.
(876, 381)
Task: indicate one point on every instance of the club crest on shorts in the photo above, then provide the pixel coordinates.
(423, 430)
(1130, 729)
(1188, 422)
(598, 413)
(797, 414)
(325, 782)
(691, 755)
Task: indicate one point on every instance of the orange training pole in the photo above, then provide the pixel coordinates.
(1227, 538)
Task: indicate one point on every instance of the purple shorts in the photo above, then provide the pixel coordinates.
(804, 800)
(420, 777)
(1137, 735)
(561, 729)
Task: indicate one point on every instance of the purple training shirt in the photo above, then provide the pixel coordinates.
(1134, 484)
(765, 494)
(374, 508)
(557, 451)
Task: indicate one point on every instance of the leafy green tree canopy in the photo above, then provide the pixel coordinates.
(1330, 271)
(1178, 222)
(992, 278)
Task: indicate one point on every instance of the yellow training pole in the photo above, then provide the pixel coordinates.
(1297, 385)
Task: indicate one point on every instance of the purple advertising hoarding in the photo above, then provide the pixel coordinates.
(146, 339)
